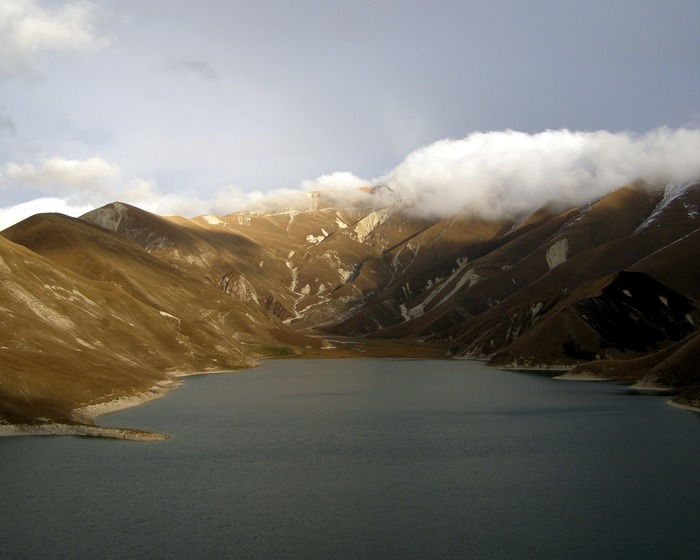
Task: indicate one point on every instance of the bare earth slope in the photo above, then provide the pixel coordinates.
(89, 316)
(103, 307)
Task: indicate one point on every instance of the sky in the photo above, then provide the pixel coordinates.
(209, 106)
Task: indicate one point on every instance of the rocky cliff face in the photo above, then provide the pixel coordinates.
(611, 286)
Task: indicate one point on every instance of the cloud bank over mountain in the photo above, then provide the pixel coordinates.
(486, 173)
(508, 172)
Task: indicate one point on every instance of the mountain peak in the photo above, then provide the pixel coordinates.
(539, 289)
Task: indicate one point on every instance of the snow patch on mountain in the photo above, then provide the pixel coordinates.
(369, 223)
(557, 253)
(213, 220)
(469, 277)
(672, 191)
(315, 239)
(535, 308)
(295, 276)
(344, 274)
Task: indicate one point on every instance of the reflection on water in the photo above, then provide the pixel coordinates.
(366, 459)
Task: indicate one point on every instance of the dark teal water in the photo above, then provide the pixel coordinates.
(356, 459)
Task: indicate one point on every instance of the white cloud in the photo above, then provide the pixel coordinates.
(496, 173)
(18, 212)
(81, 185)
(506, 172)
(28, 28)
(334, 181)
(341, 188)
(487, 174)
(80, 179)
(140, 191)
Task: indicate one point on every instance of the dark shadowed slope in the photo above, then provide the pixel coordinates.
(103, 307)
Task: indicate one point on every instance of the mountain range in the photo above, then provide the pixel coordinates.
(115, 304)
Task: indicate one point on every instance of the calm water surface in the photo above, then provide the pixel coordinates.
(366, 459)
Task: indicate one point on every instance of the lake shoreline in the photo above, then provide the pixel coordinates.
(86, 415)
(683, 406)
(83, 430)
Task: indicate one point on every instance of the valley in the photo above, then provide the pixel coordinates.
(120, 302)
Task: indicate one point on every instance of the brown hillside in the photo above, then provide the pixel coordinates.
(104, 306)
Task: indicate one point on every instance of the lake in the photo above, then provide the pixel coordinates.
(366, 458)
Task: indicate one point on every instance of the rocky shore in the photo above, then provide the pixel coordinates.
(52, 429)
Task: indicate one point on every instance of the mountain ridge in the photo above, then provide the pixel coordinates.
(605, 289)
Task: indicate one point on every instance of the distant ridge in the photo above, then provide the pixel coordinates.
(102, 307)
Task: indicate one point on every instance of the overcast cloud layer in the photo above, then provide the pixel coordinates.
(28, 29)
(213, 106)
